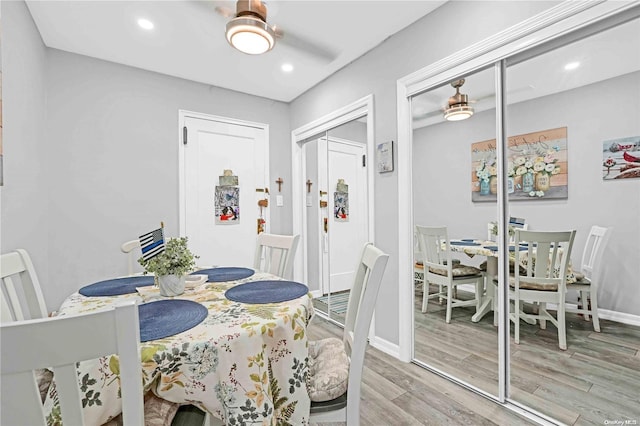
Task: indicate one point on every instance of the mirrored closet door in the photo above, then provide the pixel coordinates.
(558, 146)
(336, 206)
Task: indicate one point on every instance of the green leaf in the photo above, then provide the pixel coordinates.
(114, 365)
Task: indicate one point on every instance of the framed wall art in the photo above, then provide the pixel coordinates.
(384, 153)
(621, 158)
(537, 167)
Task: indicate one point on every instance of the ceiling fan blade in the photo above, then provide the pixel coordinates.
(304, 45)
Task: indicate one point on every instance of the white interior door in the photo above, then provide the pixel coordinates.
(346, 235)
(213, 146)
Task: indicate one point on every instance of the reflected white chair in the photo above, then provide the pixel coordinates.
(59, 343)
(343, 360)
(441, 270)
(541, 278)
(129, 247)
(590, 274)
(275, 253)
(20, 283)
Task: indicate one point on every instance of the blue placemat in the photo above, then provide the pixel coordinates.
(463, 243)
(495, 248)
(266, 292)
(116, 286)
(218, 275)
(165, 318)
(467, 239)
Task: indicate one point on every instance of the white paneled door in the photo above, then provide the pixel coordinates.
(347, 235)
(213, 145)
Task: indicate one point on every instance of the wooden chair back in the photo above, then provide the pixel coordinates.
(58, 343)
(20, 285)
(275, 253)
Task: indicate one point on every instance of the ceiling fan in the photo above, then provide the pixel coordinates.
(458, 107)
(248, 31)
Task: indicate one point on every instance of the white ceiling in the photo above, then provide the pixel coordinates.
(188, 39)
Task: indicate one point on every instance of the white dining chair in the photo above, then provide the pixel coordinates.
(335, 366)
(131, 248)
(21, 285)
(275, 253)
(441, 270)
(541, 278)
(590, 275)
(59, 343)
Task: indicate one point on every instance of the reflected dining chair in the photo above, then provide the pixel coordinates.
(590, 275)
(541, 278)
(275, 253)
(20, 282)
(335, 366)
(129, 247)
(59, 343)
(441, 270)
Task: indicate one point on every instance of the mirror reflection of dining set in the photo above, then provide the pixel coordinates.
(219, 345)
(540, 273)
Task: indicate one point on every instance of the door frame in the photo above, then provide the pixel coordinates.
(361, 108)
(182, 116)
(568, 17)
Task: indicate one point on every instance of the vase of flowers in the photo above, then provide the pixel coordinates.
(171, 266)
(544, 167)
(484, 175)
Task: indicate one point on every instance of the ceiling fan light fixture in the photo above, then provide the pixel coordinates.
(250, 35)
(457, 113)
(458, 106)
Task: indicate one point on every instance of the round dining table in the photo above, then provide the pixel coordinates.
(245, 360)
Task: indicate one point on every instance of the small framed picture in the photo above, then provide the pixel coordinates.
(384, 153)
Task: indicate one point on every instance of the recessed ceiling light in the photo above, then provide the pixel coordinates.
(287, 67)
(145, 24)
(571, 66)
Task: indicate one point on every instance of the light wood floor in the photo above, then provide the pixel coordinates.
(396, 393)
(595, 381)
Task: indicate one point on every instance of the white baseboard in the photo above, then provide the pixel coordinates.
(316, 293)
(621, 317)
(386, 346)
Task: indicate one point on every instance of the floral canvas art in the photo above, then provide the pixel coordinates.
(537, 167)
(621, 158)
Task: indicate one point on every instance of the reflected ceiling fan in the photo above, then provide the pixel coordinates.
(458, 106)
(248, 31)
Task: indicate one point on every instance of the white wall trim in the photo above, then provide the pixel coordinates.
(182, 116)
(621, 317)
(385, 346)
(557, 21)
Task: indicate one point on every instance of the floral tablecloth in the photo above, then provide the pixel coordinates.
(480, 247)
(244, 363)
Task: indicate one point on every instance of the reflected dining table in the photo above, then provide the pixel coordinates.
(243, 362)
(489, 249)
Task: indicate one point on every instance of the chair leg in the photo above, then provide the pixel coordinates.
(593, 308)
(542, 309)
(425, 295)
(479, 292)
(562, 330)
(584, 304)
(516, 325)
(449, 297)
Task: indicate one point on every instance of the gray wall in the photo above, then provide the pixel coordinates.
(25, 212)
(105, 164)
(377, 72)
(591, 115)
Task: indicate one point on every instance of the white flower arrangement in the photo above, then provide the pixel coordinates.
(176, 259)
